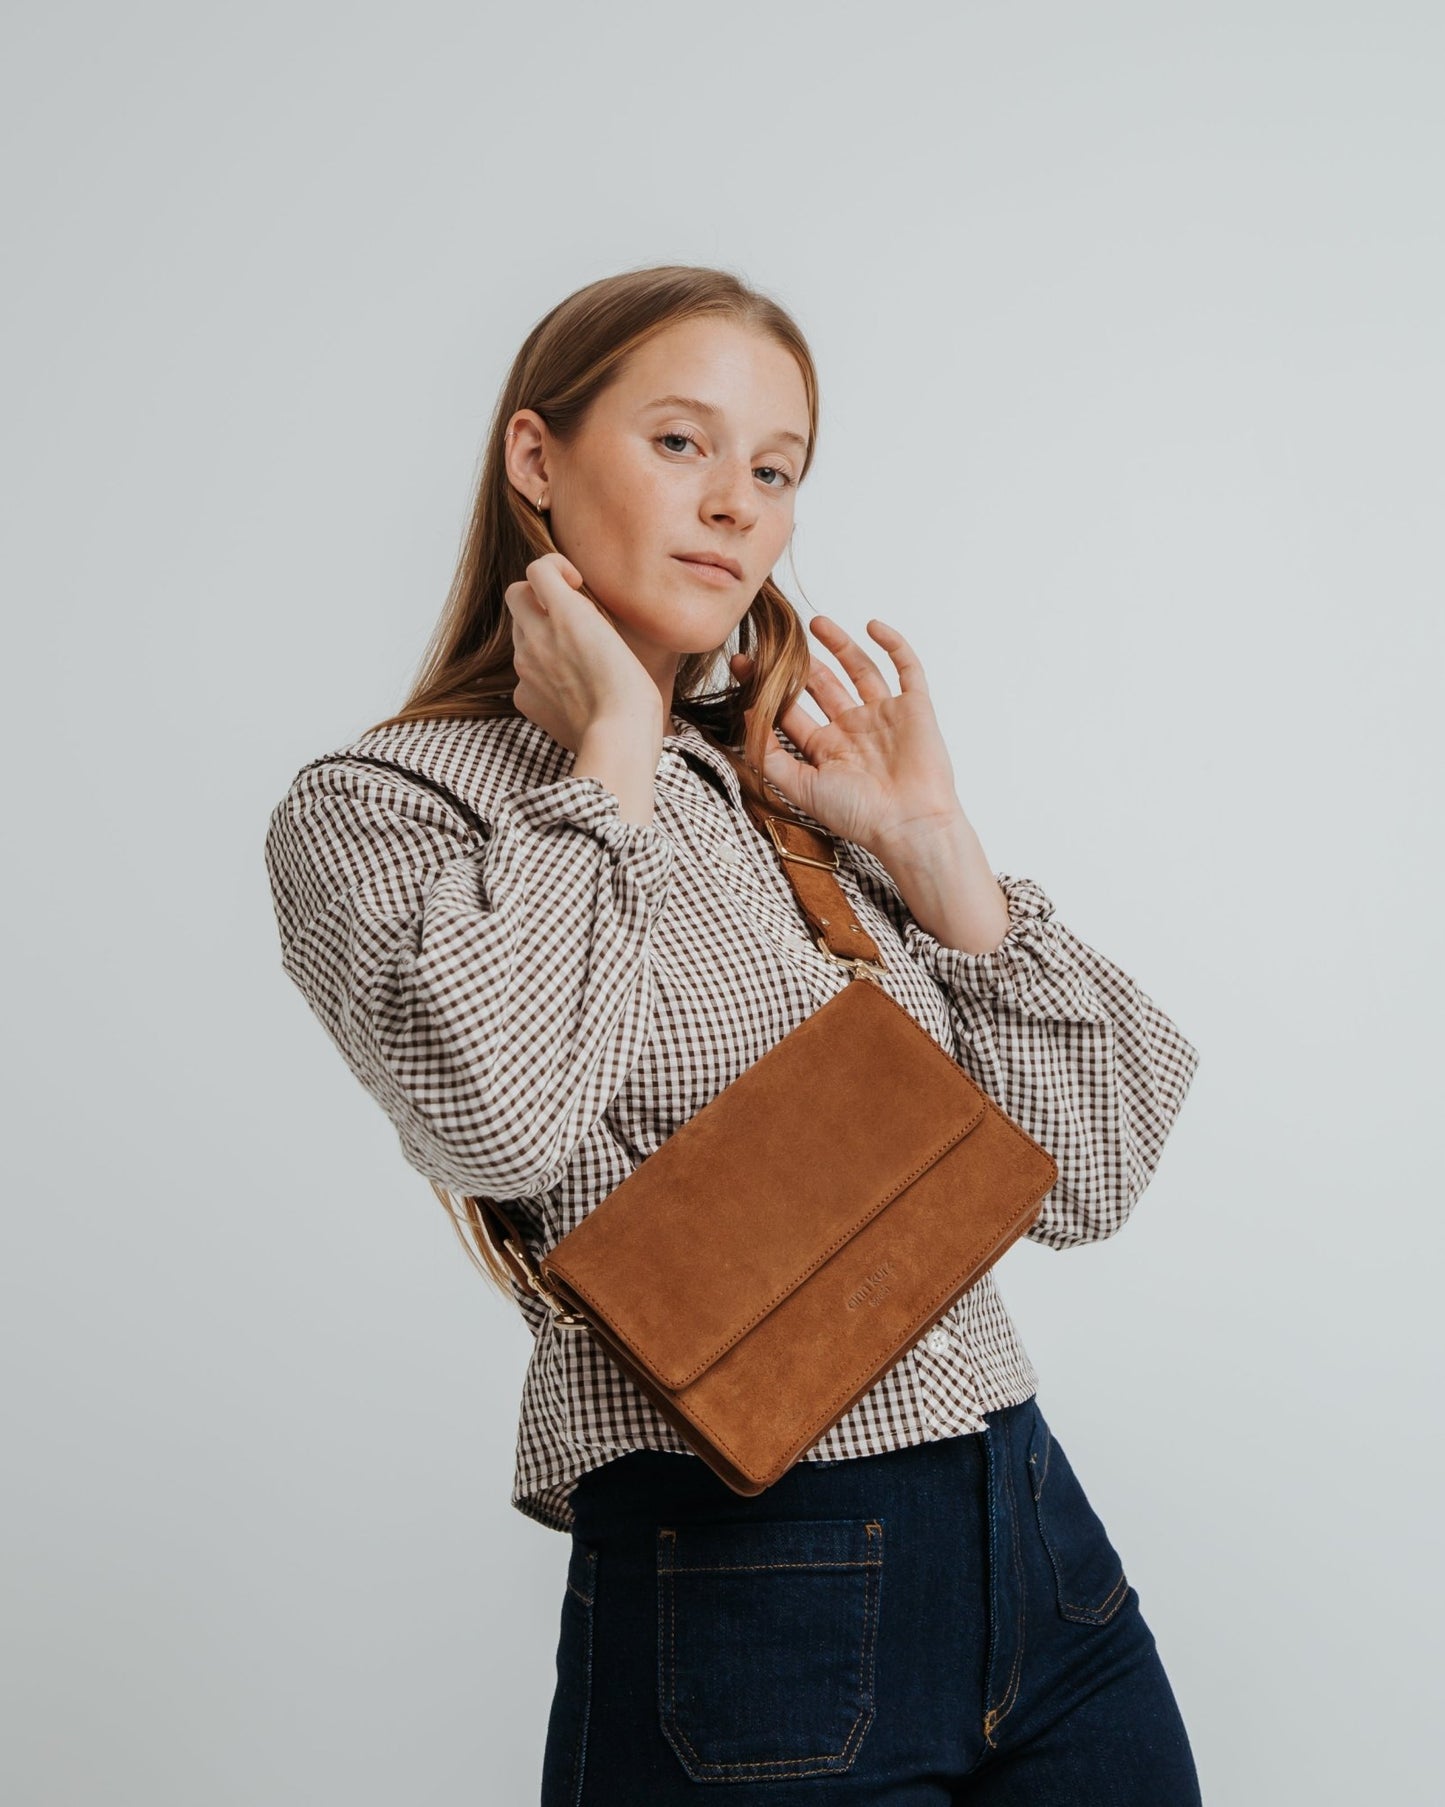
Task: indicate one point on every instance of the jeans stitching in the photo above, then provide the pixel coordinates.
(1097, 1614)
(579, 1747)
(586, 1599)
(996, 1714)
(1094, 1615)
(1044, 1471)
(743, 1568)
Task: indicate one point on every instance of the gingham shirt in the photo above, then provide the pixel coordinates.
(538, 994)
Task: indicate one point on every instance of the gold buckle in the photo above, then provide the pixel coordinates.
(801, 858)
(868, 968)
(562, 1315)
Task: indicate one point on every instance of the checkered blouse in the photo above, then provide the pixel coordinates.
(538, 994)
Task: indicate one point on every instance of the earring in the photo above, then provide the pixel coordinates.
(538, 505)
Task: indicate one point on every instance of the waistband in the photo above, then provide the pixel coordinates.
(644, 1482)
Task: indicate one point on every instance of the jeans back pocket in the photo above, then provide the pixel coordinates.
(1088, 1576)
(766, 1638)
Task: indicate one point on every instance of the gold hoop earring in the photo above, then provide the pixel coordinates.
(538, 505)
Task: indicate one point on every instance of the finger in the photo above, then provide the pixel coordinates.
(780, 768)
(557, 561)
(799, 727)
(869, 680)
(520, 599)
(828, 690)
(781, 771)
(555, 579)
(907, 662)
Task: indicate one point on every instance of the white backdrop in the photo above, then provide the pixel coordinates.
(1128, 320)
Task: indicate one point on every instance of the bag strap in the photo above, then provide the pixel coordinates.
(810, 859)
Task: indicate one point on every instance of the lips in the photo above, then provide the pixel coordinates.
(711, 558)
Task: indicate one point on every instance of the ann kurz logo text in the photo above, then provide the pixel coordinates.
(873, 1290)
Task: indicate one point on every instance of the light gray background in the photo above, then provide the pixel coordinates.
(1129, 326)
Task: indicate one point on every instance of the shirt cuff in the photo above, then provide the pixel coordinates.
(588, 804)
(1033, 943)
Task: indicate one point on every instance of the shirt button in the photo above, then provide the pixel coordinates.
(729, 851)
(937, 1339)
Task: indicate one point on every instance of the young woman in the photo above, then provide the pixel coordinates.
(535, 917)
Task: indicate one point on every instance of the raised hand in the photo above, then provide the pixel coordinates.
(877, 771)
(574, 669)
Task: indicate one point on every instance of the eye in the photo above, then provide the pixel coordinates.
(688, 439)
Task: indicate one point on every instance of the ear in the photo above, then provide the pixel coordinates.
(526, 455)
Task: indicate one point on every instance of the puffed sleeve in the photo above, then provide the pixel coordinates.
(1068, 1045)
(490, 987)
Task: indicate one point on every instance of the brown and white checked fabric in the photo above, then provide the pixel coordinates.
(538, 994)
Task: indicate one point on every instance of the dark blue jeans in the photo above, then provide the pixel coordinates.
(943, 1623)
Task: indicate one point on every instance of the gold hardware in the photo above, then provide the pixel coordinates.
(802, 859)
(562, 1315)
(868, 968)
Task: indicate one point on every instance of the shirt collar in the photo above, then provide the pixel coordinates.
(690, 743)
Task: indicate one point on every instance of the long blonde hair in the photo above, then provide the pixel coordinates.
(568, 358)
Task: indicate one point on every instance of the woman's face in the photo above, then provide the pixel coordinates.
(649, 478)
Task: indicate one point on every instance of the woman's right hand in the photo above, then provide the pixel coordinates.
(574, 669)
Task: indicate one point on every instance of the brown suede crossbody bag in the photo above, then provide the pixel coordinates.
(759, 1272)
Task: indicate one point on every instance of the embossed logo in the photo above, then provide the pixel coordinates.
(874, 1288)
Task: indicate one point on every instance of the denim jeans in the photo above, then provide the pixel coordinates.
(943, 1623)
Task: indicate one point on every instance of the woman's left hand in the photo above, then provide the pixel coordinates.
(877, 771)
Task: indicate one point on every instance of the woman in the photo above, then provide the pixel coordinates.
(535, 917)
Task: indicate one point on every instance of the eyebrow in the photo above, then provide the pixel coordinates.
(695, 406)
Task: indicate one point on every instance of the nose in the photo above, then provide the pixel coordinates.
(730, 494)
